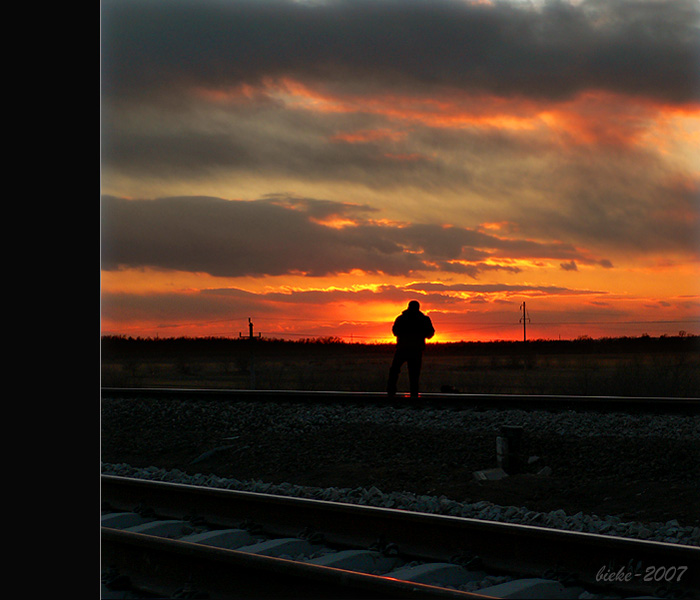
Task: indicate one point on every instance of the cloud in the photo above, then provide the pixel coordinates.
(580, 171)
(223, 238)
(334, 307)
(499, 288)
(439, 297)
(647, 47)
(546, 116)
(290, 235)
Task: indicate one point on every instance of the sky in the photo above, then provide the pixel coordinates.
(314, 165)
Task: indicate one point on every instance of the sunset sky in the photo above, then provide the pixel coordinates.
(314, 165)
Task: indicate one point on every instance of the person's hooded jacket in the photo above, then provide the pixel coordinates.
(412, 328)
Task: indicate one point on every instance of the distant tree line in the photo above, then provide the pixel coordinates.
(113, 346)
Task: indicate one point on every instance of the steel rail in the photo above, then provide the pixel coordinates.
(657, 405)
(501, 547)
(165, 566)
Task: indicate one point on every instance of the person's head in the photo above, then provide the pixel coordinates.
(414, 306)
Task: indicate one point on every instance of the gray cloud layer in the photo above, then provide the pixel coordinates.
(647, 47)
(276, 236)
(611, 197)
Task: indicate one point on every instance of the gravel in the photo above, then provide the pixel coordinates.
(401, 458)
(671, 531)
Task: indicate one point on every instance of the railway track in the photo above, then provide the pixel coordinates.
(429, 400)
(177, 541)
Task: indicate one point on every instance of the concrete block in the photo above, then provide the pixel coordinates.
(278, 547)
(542, 589)
(221, 538)
(122, 520)
(490, 474)
(166, 528)
(363, 561)
(438, 574)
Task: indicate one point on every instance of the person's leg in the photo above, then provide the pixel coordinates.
(394, 371)
(414, 365)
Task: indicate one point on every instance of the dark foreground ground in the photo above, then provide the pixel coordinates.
(645, 366)
(646, 478)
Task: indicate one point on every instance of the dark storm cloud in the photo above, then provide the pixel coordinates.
(211, 235)
(640, 47)
(280, 143)
(629, 210)
(279, 235)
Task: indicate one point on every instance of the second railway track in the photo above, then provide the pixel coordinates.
(192, 542)
(688, 406)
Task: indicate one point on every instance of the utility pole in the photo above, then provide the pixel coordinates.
(525, 319)
(250, 330)
(251, 340)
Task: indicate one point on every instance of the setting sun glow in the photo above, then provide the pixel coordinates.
(317, 176)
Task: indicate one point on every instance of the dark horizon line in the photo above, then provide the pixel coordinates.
(341, 340)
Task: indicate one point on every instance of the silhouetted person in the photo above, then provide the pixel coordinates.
(411, 329)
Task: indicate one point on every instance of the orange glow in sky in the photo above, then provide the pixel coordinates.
(316, 183)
